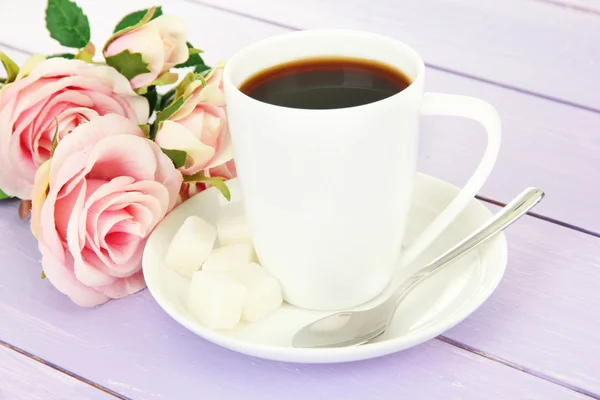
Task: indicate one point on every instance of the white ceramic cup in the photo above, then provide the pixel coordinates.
(327, 192)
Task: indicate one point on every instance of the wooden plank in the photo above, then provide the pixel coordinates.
(132, 347)
(541, 137)
(26, 379)
(530, 45)
(545, 314)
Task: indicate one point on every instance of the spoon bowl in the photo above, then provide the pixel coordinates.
(349, 328)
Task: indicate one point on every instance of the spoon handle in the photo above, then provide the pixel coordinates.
(509, 214)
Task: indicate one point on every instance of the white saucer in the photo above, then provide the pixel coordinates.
(436, 306)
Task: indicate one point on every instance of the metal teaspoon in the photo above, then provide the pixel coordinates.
(353, 328)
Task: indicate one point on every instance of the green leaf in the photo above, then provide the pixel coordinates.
(193, 60)
(193, 51)
(167, 78)
(147, 17)
(143, 90)
(168, 111)
(3, 195)
(153, 131)
(134, 18)
(67, 23)
(128, 64)
(62, 55)
(184, 83)
(201, 69)
(166, 99)
(146, 129)
(30, 64)
(54, 137)
(87, 53)
(217, 181)
(12, 69)
(153, 98)
(177, 156)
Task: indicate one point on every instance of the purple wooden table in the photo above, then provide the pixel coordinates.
(537, 337)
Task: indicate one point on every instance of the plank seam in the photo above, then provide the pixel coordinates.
(518, 367)
(64, 371)
(13, 48)
(515, 89)
(432, 66)
(575, 7)
(544, 218)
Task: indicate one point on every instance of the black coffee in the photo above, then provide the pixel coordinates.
(325, 83)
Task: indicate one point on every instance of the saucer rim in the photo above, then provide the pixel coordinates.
(329, 355)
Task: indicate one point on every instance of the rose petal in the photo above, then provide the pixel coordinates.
(194, 123)
(225, 152)
(60, 274)
(129, 196)
(38, 196)
(63, 208)
(151, 196)
(213, 95)
(47, 229)
(101, 259)
(175, 29)
(107, 104)
(98, 200)
(167, 175)
(74, 98)
(119, 237)
(173, 135)
(111, 158)
(226, 170)
(11, 180)
(125, 287)
(85, 273)
(107, 223)
(85, 137)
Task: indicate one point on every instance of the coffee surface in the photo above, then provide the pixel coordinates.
(325, 83)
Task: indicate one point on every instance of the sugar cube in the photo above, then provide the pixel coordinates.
(233, 228)
(190, 246)
(216, 299)
(229, 257)
(263, 293)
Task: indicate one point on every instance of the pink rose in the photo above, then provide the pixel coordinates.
(104, 191)
(199, 127)
(69, 92)
(162, 43)
(226, 171)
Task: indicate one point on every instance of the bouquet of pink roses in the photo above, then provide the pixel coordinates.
(99, 155)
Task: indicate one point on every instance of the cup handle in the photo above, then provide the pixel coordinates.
(486, 114)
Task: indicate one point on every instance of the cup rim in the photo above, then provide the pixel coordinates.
(231, 64)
